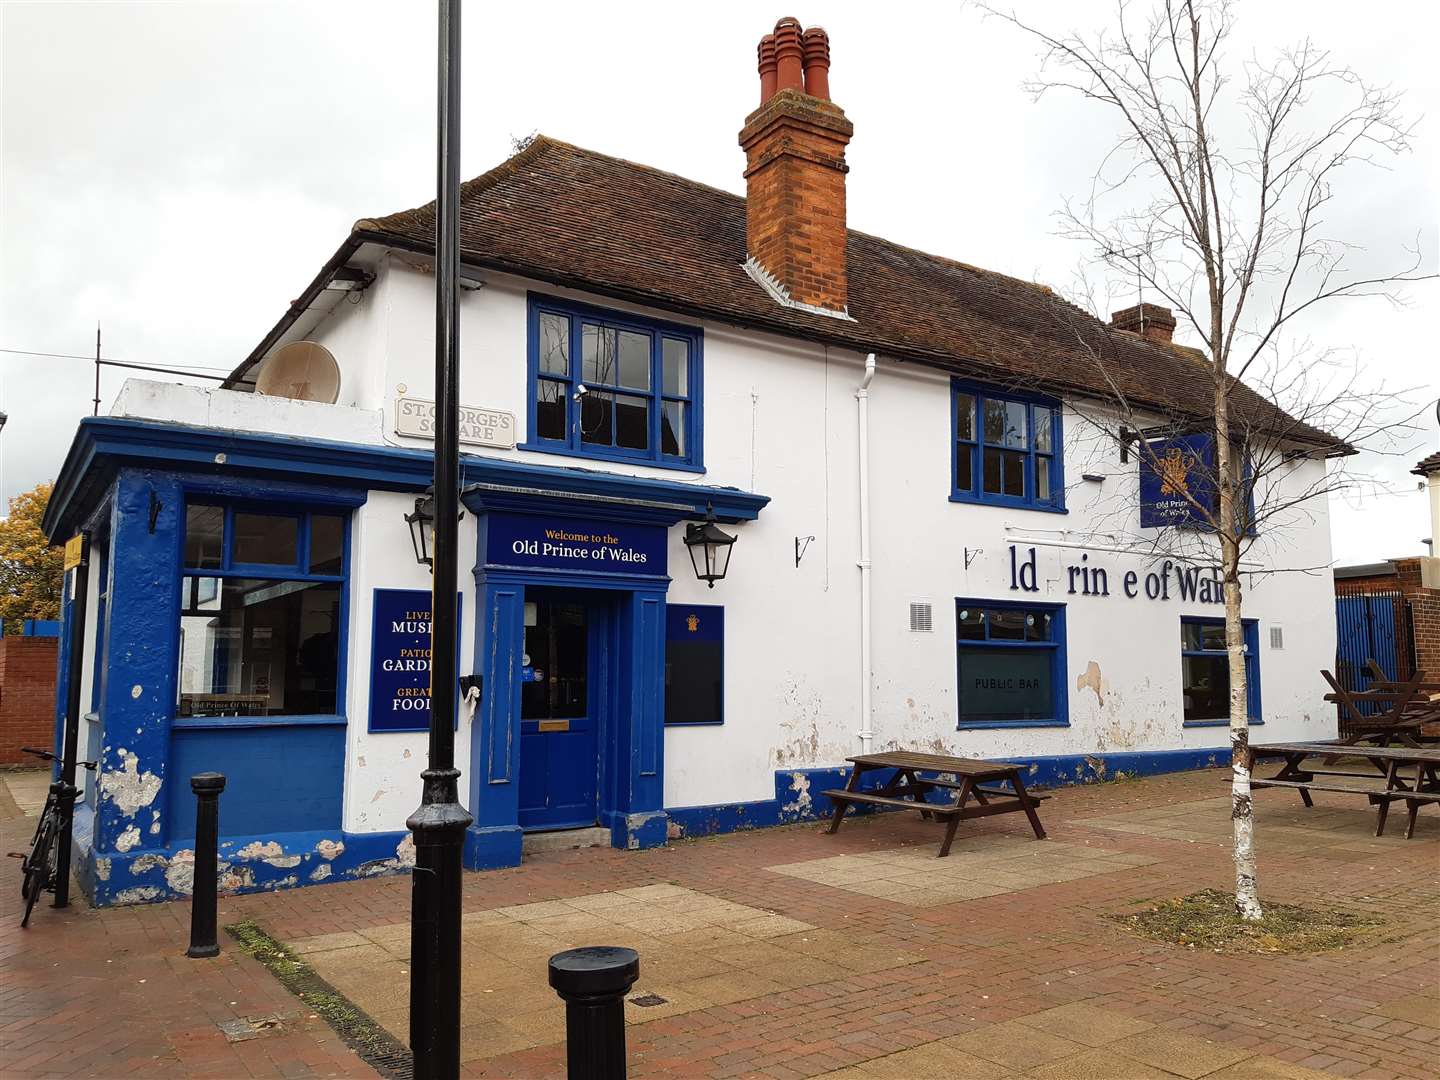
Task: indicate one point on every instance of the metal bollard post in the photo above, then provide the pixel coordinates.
(593, 982)
(207, 788)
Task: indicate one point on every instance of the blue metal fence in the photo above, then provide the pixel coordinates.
(1372, 626)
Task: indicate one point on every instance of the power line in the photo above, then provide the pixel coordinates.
(91, 359)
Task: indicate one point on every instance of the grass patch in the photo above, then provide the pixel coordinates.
(1207, 920)
(376, 1046)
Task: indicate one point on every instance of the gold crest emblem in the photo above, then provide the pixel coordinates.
(1174, 473)
(692, 623)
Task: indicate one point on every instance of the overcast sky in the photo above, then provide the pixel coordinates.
(179, 171)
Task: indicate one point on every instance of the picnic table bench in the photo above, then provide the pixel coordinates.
(908, 789)
(1423, 787)
(1403, 709)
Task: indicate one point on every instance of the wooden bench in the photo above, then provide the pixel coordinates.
(912, 782)
(1422, 788)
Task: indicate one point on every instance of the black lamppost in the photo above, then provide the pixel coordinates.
(439, 824)
(709, 547)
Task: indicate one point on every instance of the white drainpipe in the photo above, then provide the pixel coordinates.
(862, 399)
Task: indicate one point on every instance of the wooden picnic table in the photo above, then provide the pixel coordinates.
(1403, 709)
(908, 789)
(1422, 787)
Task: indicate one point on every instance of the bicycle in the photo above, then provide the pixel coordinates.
(37, 866)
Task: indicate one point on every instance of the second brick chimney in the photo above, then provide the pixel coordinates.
(1150, 321)
(795, 169)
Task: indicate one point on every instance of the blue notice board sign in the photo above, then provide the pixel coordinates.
(400, 660)
(574, 544)
(1173, 472)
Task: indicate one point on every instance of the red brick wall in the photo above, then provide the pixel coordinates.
(27, 695)
(795, 196)
(1425, 614)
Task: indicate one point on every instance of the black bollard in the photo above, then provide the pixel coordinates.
(593, 982)
(207, 787)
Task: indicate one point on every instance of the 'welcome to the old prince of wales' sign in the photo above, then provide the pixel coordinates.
(400, 660)
(555, 543)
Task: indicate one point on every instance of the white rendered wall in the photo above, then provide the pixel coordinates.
(780, 420)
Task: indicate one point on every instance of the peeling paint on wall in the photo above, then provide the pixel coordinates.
(141, 894)
(1090, 679)
(268, 851)
(180, 874)
(329, 849)
(127, 787)
(127, 839)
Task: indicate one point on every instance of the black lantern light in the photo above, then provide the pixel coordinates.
(422, 529)
(709, 548)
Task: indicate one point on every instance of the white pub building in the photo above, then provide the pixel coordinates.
(936, 546)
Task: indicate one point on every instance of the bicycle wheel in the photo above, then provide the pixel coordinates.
(39, 866)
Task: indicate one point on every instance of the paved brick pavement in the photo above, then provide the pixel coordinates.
(781, 968)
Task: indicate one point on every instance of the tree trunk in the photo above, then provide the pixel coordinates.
(1231, 528)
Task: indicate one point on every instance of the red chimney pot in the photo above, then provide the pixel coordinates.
(816, 45)
(789, 56)
(767, 68)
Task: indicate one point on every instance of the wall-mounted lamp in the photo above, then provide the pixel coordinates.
(709, 548)
(422, 528)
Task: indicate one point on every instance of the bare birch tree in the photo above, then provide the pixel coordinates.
(1214, 199)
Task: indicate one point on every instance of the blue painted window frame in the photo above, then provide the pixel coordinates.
(1056, 645)
(298, 571)
(1251, 628)
(974, 448)
(572, 445)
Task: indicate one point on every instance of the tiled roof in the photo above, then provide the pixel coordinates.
(1427, 465)
(570, 216)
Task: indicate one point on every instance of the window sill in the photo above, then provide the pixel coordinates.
(981, 725)
(694, 723)
(209, 723)
(618, 459)
(1218, 723)
(1007, 504)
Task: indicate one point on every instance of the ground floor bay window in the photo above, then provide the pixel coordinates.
(261, 602)
(1011, 664)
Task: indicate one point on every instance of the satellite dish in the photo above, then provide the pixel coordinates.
(302, 371)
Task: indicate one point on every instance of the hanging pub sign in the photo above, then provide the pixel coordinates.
(1175, 475)
(589, 546)
(400, 660)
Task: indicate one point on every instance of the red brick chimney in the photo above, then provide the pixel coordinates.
(794, 147)
(1150, 321)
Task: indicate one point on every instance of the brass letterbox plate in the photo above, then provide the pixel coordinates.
(554, 725)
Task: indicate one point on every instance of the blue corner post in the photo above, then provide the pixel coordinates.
(139, 692)
(634, 807)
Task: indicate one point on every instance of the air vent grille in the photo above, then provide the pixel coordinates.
(922, 618)
(1277, 637)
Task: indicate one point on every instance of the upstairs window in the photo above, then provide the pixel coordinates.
(610, 385)
(262, 612)
(1006, 449)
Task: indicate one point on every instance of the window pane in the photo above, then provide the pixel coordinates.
(266, 538)
(1005, 423)
(1042, 478)
(1044, 428)
(1039, 626)
(549, 409)
(632, 422)
(253, 647)
(327, 544)
(634, 360)
(672, 428)
(964, 467)
(597, 354)
(596, 408)
(1195, 636)
(1006, 624)
(1014, 473)
(992, 470)
(204, 526)
(970, 624)
(1207, 687)
(675, 360)
(1006, 684)
(965, 416)
(555, 344)
(559, 654)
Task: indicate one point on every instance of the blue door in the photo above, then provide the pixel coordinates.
(561, 707)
